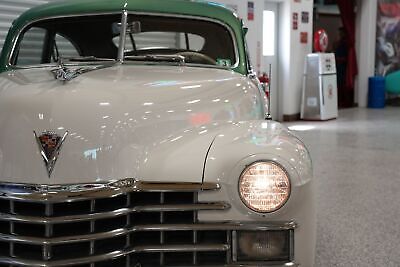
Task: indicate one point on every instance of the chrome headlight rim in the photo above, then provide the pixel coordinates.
(282, 204)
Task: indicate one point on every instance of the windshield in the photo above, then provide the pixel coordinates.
(198, 41)
(148, 38)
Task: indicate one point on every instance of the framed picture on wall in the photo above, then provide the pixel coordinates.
(295, 21)
(304, 37)
(305, 17)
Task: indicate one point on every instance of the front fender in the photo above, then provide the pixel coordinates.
(241, 144)
(266, 139)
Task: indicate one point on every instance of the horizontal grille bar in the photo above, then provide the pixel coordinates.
(182, 248)
(114, 213)
(115, 254)
(270, 226)
(60, 193)
(143, 228)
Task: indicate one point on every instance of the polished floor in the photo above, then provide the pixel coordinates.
(357, 167)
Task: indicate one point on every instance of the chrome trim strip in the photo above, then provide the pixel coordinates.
(289, 264)
(112, 214)
(117, 254)
(113, 255)
(79, 192)
(18, 34)
(230, 226)
(218, 226)
(182, 248)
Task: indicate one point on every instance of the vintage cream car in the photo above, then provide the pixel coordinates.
(134, 133)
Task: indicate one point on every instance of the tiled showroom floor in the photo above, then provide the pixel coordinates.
(357, 167)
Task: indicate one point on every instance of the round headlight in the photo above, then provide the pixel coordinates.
(264, 186)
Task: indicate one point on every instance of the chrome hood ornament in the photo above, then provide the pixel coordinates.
(50, 145)
(64, 74)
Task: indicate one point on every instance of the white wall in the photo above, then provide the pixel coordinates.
(292, 93)
(291, 52)
(254, 34)
(365, 47)
(285, 54)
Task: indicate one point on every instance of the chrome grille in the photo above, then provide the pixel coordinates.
(123, 224)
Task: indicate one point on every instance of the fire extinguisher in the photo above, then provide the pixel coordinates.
(264, 80)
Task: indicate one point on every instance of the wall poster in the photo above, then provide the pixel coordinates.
(304, 37)
(250, 11)
(387, 37)
(295, 21)
(305, 17)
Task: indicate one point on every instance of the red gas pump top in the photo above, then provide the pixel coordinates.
(321, 41)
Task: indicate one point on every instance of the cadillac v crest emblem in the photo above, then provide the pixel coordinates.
(50, 145)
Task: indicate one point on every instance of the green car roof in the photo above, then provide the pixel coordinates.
(180, 7)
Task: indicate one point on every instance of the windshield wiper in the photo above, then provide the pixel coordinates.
(171, 58)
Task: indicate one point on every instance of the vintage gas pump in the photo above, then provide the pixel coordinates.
(319, 98)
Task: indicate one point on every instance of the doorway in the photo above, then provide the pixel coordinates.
(270, 53)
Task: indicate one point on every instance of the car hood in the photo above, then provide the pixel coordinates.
(153, 123)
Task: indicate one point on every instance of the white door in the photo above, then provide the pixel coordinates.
(270, 52)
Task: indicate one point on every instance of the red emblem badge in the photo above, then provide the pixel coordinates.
(50, 145)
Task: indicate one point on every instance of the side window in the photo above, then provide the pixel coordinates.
(63, 48)
(34, 48)
(193, 41)
(31, 47)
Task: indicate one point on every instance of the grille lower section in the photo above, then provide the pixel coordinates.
(132, 228)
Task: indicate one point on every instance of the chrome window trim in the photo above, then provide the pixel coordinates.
(79, 192)
(17, 36)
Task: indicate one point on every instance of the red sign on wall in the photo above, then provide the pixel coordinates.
(303, 37)
(250, 10)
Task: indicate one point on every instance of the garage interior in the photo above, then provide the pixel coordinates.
(356, 156)
(355, 160)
